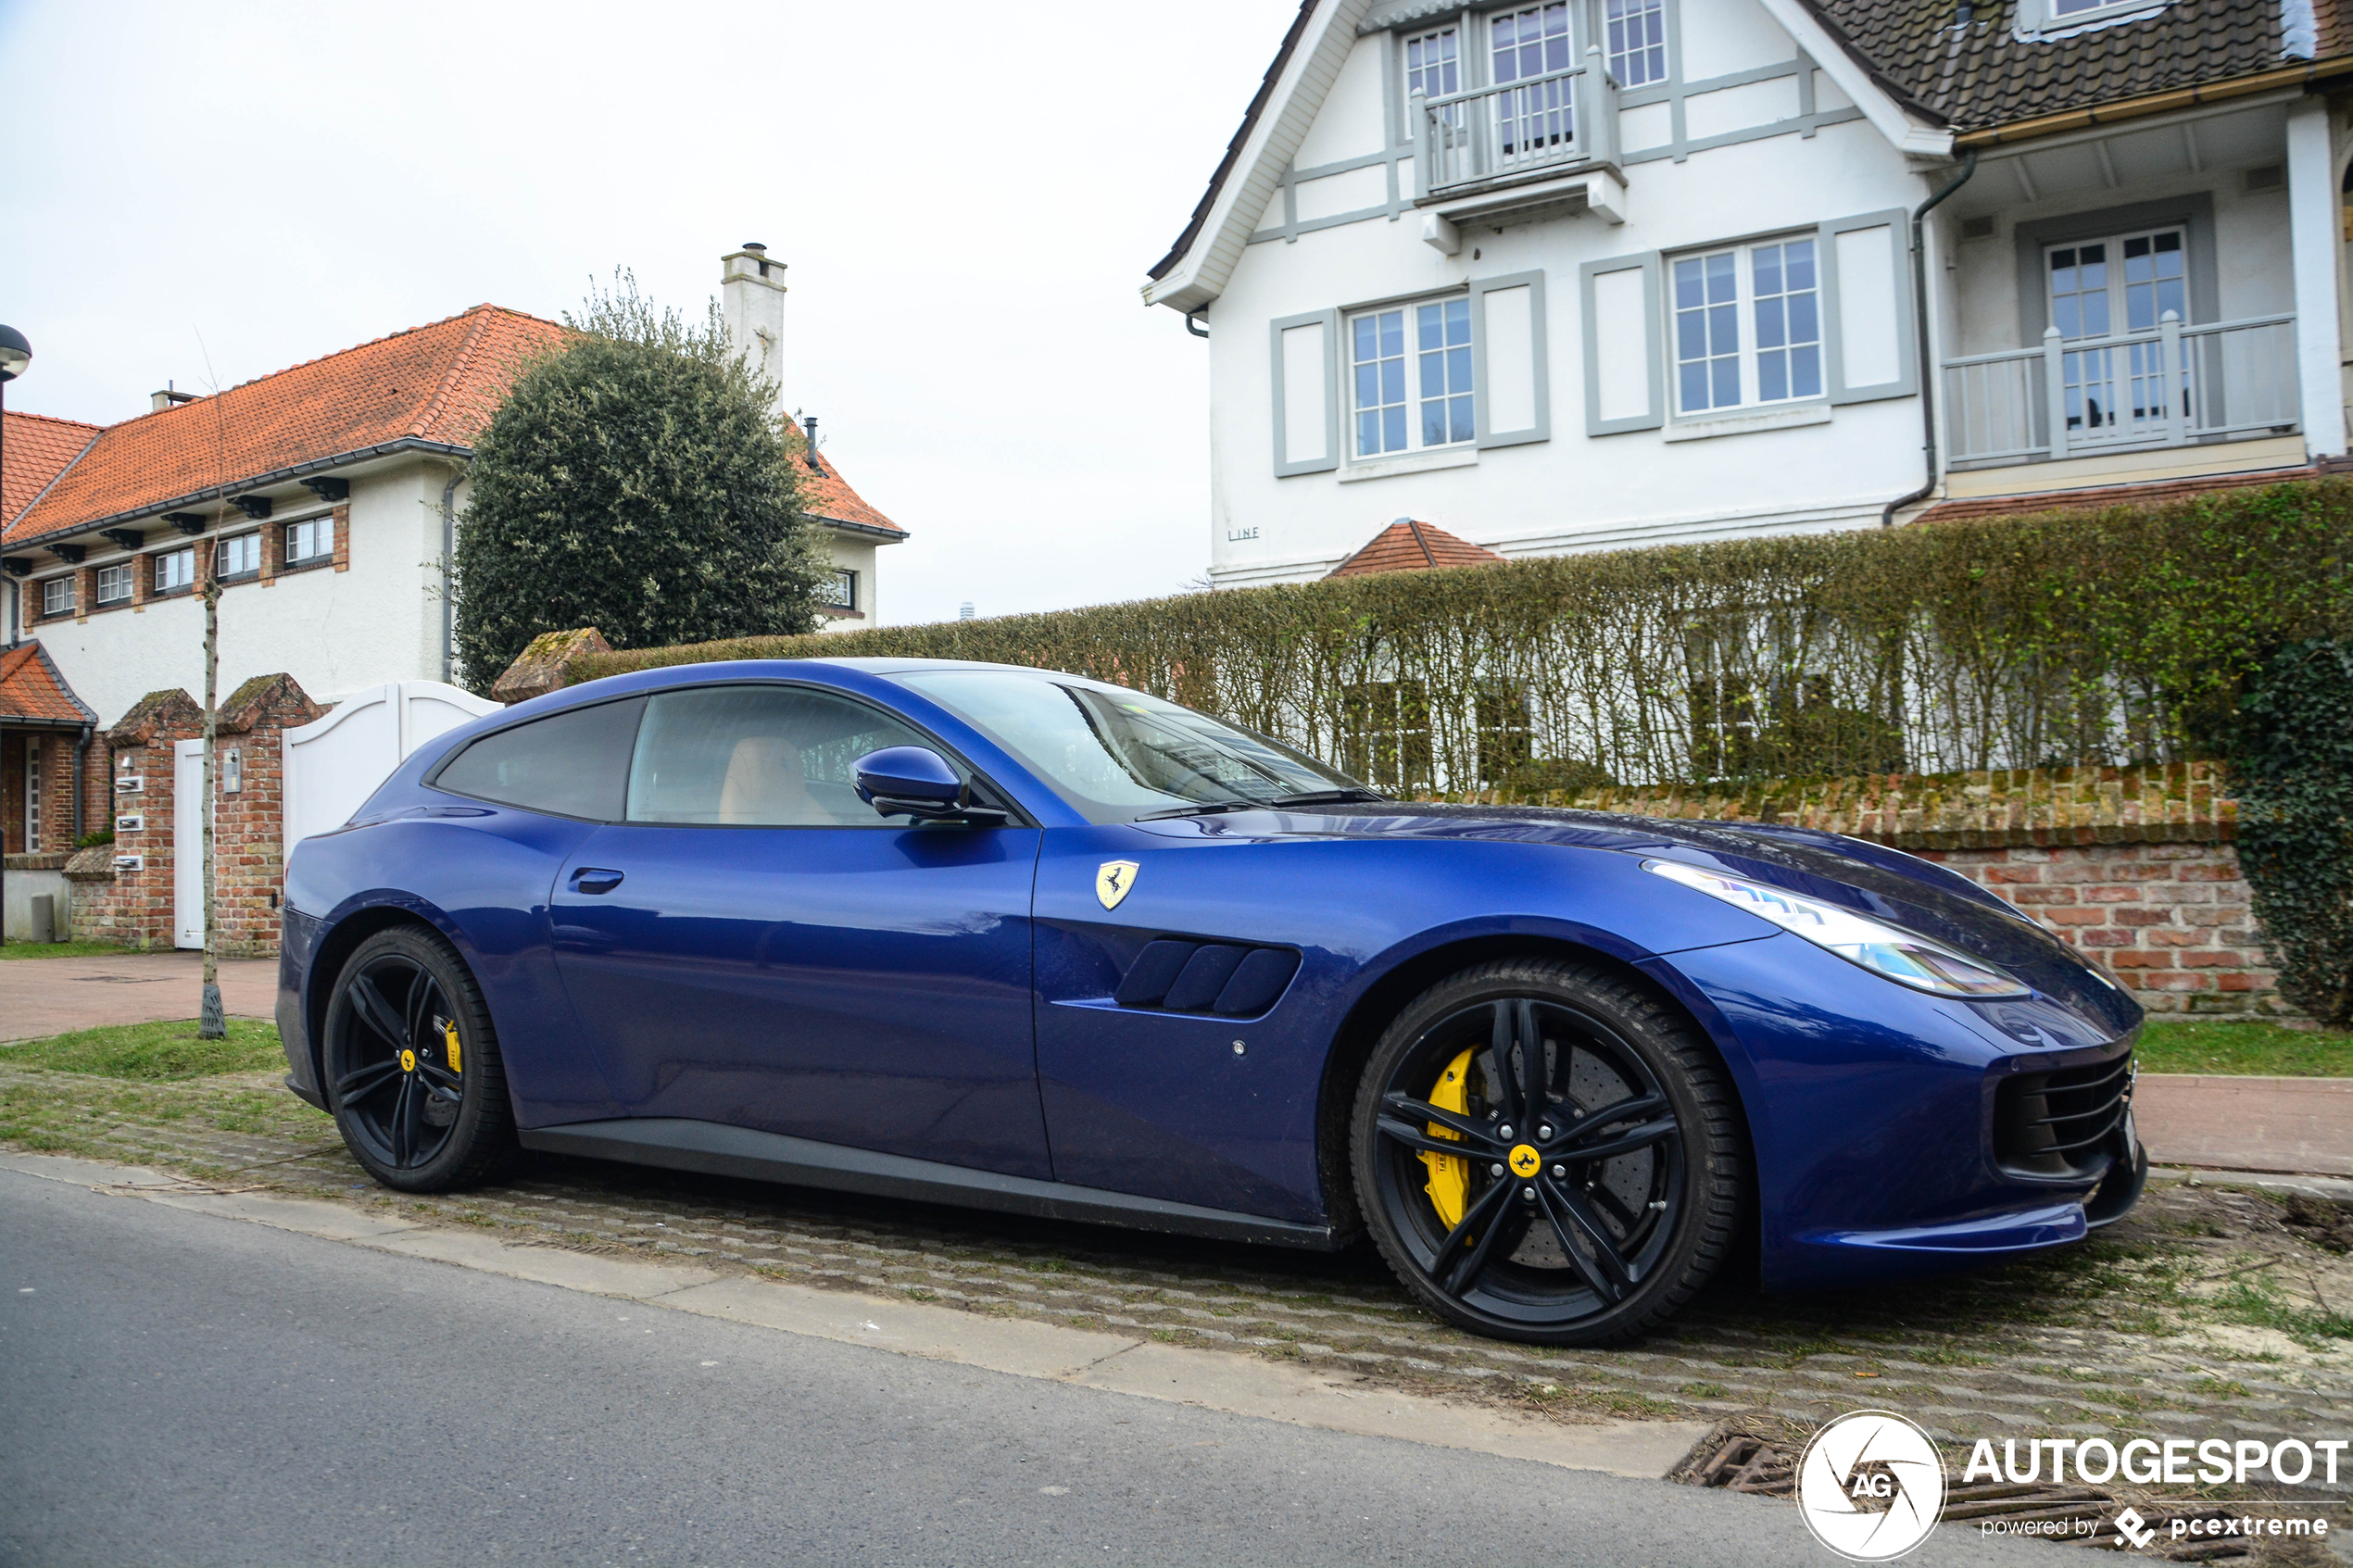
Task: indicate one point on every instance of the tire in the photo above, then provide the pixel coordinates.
(1602, 1224)
(416, 1120)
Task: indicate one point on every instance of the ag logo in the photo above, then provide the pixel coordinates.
(1870, 1486)
(1112, 879)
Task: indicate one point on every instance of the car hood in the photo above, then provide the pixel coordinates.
(1887, 884)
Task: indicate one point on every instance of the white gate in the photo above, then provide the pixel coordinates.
(333, 764)
(187, 845)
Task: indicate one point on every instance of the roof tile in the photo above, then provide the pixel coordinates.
(1408, 546)
(30, 688)
(34, 449)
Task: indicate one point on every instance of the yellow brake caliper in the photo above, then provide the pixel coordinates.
(449, 1040)
(1449, 1183)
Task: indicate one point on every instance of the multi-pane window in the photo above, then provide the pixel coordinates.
(114, 583)
(2122, 283)
(57, 596)
(311, 540)
(1379, 352)
(1442, 341)
(841, 589)
(1385, 733)
(1531, 42)
(1637, 41)
(1747, 326)
(175, 570)
(1393, 380)
(1433, 64)
(240, 555)
(32, 796)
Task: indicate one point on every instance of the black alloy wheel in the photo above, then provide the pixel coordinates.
(1548, 1152)
(412, 1066)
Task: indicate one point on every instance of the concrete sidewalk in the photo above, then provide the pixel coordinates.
(44, 996)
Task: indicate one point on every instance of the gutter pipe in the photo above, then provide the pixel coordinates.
(1927, 366)
(81, 755)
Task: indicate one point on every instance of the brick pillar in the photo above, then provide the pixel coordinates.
(342, 538)
(86, 592)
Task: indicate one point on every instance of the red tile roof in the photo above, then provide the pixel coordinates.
(2145, 494)
(433, 385)
(30, 688)
(1408, 546)
(829, 496)
(33, 449)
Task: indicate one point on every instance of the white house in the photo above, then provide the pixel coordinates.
(1587, 274)
(342, 481)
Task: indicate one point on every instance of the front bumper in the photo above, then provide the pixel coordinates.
(1872, 1111)
(297, 937)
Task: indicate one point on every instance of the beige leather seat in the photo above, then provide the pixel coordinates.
(765, 786)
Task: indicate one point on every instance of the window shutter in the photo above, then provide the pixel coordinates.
(1866, 317)
(1507, 360)
(1625, 375)
(1306, 373)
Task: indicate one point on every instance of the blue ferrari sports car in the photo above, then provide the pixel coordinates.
(996, 936)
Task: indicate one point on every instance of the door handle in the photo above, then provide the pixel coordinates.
(595, 879)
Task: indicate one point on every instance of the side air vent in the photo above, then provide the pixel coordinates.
(2056, 1123)
(1212, 977)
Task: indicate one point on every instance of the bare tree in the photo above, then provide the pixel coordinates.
(212, 1024)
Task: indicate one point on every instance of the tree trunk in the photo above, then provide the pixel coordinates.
(212, 1025)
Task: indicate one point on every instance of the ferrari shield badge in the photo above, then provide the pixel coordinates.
(1112, 879)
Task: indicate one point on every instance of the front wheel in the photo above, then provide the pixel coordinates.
(412, 1066)
(1549, 1153)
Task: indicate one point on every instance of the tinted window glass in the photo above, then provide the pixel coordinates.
(569, 765)
(758, 757)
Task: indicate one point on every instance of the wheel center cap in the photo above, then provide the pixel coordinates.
(408, 1064)
(1525, 1161)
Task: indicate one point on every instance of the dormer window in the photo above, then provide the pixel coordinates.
(2040, 19)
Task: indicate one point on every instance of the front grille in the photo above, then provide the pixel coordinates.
(2057, 1124)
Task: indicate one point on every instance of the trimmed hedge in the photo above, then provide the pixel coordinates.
(2060, 638)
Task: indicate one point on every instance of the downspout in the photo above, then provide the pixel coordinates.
(1920, 308)
(457, 470)
(81, 756)
(1194, 327)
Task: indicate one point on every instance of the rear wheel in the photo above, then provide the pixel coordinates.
(412, 1066)
(1547, 1153)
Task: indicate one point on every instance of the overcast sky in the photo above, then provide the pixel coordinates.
(966, 195)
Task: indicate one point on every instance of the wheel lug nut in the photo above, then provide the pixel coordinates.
(1543, 1132)
(1494, 1170)
(1560, 1173)
(1505, 1131)
(1529, 1193)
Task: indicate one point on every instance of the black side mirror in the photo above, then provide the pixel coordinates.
(914, 780)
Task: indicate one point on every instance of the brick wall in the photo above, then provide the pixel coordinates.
(137, 907)
(2169, 921)
(56, 791)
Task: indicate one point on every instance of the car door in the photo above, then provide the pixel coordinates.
(754, 945)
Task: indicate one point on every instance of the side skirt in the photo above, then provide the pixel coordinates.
(716, 1150)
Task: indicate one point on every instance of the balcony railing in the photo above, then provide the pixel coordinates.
(2075, 396)
(1530, 126)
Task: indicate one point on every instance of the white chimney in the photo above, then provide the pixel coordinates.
(752, 298)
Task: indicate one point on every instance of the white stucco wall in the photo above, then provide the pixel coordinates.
(857, 555)
(335, 631)
(1569, 491)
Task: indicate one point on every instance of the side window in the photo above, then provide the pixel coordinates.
(758, 757)
(571, 764)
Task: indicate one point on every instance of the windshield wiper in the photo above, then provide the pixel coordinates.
(1206, 808)
(1328, 797)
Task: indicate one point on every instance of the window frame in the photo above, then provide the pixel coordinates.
(220, 544)
(1748, 354)
(996, 795)
(72, 596)
(288, 561)
(32, 795)
(2041, 20)
(126, 576)
(847, 577)
(1415, 396)
(157, 587)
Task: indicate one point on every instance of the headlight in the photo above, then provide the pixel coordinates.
(1884, 950)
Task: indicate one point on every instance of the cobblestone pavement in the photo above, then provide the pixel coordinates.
(2210, 1311)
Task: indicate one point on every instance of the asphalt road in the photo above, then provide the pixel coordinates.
(180, 1388)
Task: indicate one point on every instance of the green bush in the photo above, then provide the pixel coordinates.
(2061, 638)
(638, 479)
(2294, 764)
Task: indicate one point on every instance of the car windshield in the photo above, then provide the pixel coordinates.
(1116, 755)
